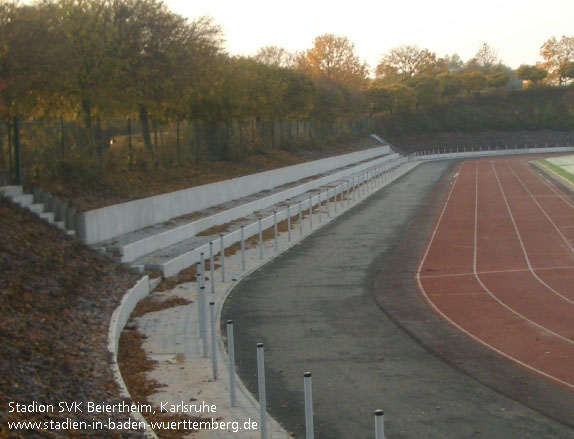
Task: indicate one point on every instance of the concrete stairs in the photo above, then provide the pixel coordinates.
(39, 204)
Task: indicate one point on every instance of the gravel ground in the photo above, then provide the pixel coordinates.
(56, 300)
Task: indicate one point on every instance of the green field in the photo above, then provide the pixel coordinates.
(560, 166)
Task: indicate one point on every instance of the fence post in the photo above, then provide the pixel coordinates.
(231, 355)
(62, 142)
(130, 151)
(213, 340)
(320, 207)
(379, 425)
(261, 388)
(17, 164)
(309, 430)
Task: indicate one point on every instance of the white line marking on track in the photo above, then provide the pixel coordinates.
(456, 325)
(518, 270)
(548, 184)
(541, 281)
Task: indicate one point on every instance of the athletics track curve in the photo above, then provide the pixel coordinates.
(499, 265)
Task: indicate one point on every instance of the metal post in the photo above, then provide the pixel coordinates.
(379, 424)
(213, 340)
(17, 165)
(328, 204)
(335, 199)
(300, 218)
(222, 259)
(288, 223)
(275, 229)
(310, 213)
(231, 355)
(202, 321)
(261, 387)
(199, 307)
(320, 214)
(242, 248)
(342, 196)
(309, 431)
(202, 262)
(260, 240)
(211, 267)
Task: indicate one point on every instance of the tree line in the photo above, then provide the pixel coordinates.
(86, 59)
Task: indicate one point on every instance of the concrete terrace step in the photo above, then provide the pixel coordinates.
(47, 216)
(36, 208)
(23, 200)
(135, 245)
(11, 191)
(172, 259)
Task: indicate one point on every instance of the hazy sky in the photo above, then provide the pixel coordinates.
(516, 29)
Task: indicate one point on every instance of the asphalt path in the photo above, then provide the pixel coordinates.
(343, 305)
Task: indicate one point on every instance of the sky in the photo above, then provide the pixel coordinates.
(516, 29)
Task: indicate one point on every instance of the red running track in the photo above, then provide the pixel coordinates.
(499, 265)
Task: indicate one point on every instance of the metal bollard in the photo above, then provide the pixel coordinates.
(231, 355)
(199, 307)
(261, 388)
(213, 340)
(212, 267)
(222, 259)
(260, 240)
(379, 424)
(288, 223)
(309, 430)
(204, 332)
(275, 230)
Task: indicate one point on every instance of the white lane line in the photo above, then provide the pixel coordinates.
(520, 238)
(564, 198)
(460, 328)
(518, 270)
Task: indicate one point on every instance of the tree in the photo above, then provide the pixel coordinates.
(486, 58)
(451, 85)
(276, 56)
(474, 82)
(567, 70)
(533, 74)
(334, 57)
(427, 89)
(454, 63)
(404, 98)
(406, 61)
(498, 79)
(28, 40)
(555, 53)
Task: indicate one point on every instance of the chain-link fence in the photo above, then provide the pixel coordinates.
(33, 148)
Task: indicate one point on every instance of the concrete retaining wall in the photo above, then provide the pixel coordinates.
(112, 221)
(131, 252)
